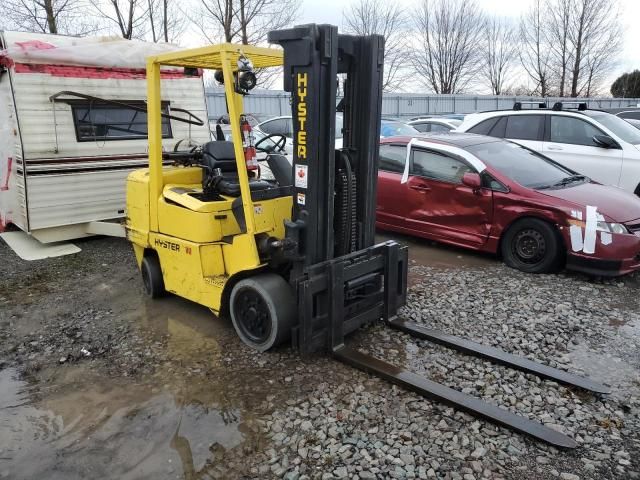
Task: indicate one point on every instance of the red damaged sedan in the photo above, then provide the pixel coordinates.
(496, 196)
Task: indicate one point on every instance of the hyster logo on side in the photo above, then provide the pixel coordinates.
(168, 245)
(302, 116)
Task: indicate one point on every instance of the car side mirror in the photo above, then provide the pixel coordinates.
(605, 141)
(472, 180)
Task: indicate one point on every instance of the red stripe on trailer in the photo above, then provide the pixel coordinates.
(5, 186)
(96, 72)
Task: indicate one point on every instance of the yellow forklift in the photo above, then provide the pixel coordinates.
(292, 259)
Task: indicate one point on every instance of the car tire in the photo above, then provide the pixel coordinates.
(263, 311)
(532, 245)
(152, 276)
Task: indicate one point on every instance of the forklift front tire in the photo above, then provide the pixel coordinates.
(152, 276)
(263, 310)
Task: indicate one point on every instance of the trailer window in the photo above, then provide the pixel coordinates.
(95, 121)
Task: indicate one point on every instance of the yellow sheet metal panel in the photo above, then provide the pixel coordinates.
(204, 227)
(181, 265)
(211, 260)
(182, 175)
(235, 254)
(137, 208)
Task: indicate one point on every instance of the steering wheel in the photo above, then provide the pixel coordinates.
(278, 145)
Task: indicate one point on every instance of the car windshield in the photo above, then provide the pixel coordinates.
(527, 168)
(392, 129)
(618, 126)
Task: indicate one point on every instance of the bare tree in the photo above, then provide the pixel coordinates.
(446, 53)
(558, 30)
(367, 17)
(47, 16)
(247, 22)
(166, 22)
(130, 16)
(594, 36)
(499, 52)
(243, 21)
(535, 53)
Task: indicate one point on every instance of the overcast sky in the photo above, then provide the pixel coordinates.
(330, 11)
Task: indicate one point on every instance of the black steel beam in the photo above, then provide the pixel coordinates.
(458, 400)
(497, 356)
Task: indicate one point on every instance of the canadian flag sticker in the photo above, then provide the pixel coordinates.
(301, 176)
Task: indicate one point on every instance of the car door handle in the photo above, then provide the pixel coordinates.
(420, 188)
(555, 148)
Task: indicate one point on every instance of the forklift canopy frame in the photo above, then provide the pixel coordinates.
(222, 57)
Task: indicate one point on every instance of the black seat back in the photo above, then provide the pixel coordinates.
(281, 168)
(220, 155)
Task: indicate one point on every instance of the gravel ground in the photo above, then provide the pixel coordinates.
(77, 323)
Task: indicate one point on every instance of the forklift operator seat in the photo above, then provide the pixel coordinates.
(221, 155)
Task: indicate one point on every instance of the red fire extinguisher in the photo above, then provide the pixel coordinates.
(250, 156)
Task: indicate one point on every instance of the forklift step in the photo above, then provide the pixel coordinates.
(497, 356)
(456, 399)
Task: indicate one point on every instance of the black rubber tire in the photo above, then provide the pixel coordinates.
(152, 276)
(532, 246)
(263, 310)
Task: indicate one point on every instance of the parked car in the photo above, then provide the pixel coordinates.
(633, 121)
(627, 113)
(252, 118)
(594, 143)
(496, 196)
(436, 125)
(284, 126)
(391, 127)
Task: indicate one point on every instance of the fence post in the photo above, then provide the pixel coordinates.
(398, 106)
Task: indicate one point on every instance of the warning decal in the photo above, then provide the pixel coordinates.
(301, 176)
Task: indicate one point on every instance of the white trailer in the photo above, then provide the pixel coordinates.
(73, 125)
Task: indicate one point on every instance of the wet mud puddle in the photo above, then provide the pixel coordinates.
(178, 424)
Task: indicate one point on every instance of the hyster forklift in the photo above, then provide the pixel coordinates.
(292, 259)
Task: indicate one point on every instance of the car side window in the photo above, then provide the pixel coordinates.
(438, 166)
(499, 128)
(392, 158)
(436, 127)
(633, 115)
(421, 127)
(524, 127)
(489, 182)
(278, 126)
(572, 130)
(483, 128)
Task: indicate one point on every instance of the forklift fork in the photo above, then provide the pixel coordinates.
(462, 401)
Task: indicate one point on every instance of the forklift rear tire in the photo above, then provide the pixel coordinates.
(152, 276)
(263, 310)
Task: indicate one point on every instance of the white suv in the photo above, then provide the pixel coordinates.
(597, 144)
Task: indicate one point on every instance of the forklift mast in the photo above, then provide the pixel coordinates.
(341, 278)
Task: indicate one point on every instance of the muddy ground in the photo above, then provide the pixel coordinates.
(97, 382)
